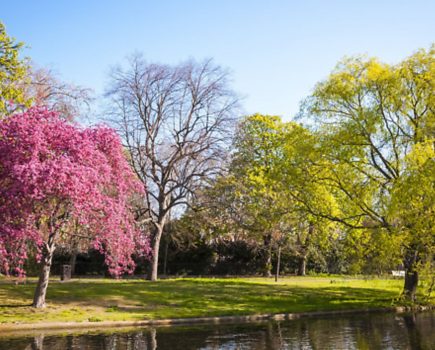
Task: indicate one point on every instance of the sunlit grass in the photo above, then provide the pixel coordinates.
(107, 299)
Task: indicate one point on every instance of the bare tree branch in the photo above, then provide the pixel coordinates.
(176, 122)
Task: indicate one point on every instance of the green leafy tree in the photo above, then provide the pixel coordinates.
(373, 118)
(412, 212)
(258, 146)
(273, 170)
(13, 72)
(297, 174)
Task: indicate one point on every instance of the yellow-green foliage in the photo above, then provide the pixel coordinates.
(13, 74)
(376, 123)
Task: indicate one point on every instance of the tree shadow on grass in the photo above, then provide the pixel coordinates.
(192, 298)
(15, 305)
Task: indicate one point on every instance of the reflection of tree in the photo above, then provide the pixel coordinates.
(340, 332)
(37, 343)
(273, 336)
(414, 335)
(110, 342)
(370, 335)
(139, 341)
(153, 339)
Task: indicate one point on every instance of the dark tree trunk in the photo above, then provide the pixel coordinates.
(302, 265)
(411, 283)
(154, 263)
(44, 275)
(73, 259)
(267, 272)
(411, 274)
(278, 263)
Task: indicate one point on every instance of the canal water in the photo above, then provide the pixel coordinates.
(359, 331)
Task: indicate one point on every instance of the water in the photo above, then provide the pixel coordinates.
(362, 331)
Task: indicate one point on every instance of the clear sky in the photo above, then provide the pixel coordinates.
(276, 50)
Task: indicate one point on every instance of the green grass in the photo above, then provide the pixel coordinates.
(98, 300)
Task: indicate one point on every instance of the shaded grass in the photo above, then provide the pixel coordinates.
(106, 299)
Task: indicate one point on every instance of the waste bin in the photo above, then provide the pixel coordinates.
(65, 273)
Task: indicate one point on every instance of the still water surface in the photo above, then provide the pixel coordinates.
(363, 331)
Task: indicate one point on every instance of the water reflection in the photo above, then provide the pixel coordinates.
(375, 331)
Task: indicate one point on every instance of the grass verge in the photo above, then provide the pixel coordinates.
(98, 300)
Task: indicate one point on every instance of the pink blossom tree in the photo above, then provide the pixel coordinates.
(55, 176)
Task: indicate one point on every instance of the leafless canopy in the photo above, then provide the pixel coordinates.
(176, 122)
(46, 89)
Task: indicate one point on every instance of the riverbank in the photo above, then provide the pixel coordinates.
(15, 329)
(86, 302)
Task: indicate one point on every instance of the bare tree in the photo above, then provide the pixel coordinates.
(44, 88)
(176, 122)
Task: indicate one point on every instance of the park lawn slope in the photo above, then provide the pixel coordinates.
(132, 300)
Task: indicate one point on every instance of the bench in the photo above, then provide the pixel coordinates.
(398, 273)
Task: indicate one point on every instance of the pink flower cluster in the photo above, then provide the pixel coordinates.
(54, 173)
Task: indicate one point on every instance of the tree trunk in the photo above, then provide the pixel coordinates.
(304, 246)
(411, 283)
(267, 272)
(411, 275)
(302, 265)
(278, 263)
(72, 260)
(154, 264)
(165, 261)
(41, 288)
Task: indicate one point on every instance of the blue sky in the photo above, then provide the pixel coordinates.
(276, 50)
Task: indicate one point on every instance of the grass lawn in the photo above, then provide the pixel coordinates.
(107, 299)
